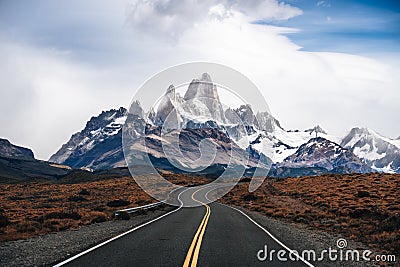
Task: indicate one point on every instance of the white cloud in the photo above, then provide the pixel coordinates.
(173, 17)
(45, 97)
(46, 94)
(336, 90)
(303, 88)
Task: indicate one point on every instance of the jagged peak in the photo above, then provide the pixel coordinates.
(317, 129)
(205, 77)
(171, 89)
(322, 140)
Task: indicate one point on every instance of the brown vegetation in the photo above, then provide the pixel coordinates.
(32, 208)
(365, 208)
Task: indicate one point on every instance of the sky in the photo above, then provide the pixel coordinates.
(332, 63)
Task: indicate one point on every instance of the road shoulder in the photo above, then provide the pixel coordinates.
(49, 249)
(299, 237)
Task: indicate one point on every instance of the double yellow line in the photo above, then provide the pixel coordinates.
(194, 249)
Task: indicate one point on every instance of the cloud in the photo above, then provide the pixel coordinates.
(45, 97)
(323, 4)
(49, 90)
(336, 90)
(173, 17)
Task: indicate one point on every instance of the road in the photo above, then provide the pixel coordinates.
(207, 235)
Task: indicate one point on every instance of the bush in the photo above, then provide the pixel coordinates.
(27, 227)
(76, 199)
(63, 215)
(118, 203)
(99, 219)
(390, 224)
(362, 193)
(250, 197)
(84, 191)
(4, 221)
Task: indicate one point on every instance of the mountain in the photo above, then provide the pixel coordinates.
(200, 113)
(18, 164)
(203, 92)
(318, 156)
(379, 152)
(100, 137)
(183, 150)
(278, 143)
(22, 169)
(99, 144)
(316, 130)
(200, 104)
(9, 150)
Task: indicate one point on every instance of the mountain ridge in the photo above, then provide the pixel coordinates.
(7, 149)
(260, 134)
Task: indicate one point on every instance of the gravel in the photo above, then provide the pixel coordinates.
(301, 238)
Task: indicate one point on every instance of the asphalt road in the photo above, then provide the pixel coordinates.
(207, 235)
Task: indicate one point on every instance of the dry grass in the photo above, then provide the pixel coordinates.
(365, 208)
(30, 209)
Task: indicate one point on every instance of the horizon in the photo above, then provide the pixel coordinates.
(317, 63)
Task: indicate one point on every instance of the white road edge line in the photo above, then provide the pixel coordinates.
(120, 235)
(262, 228)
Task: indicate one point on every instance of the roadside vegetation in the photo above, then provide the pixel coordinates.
(364, 207)
(33, 208)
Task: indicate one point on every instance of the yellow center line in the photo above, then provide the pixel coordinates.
(194, 249)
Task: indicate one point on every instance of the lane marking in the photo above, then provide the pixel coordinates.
(121, 235)
(262, 228)
(194, 249)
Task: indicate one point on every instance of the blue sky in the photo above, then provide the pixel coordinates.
(361, 27)
(65, 61)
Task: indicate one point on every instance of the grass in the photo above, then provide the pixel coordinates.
(365, 207)
(34, 208)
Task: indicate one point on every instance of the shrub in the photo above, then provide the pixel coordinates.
(390, 224)
(27, 227)
(99, 218)
(76, 199)
(362, 193)
(84, 191)
(118, 203)
(63, 215)
(250, 197)
(4, 221)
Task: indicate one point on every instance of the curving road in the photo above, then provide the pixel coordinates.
(208, 235)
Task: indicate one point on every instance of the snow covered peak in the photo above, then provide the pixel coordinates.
(136, 109)
(267, 122)
(206, 77)
(316, 130)
(322, 153)
(201, 103)
(202, 87)
(380, 152)
(98, 129)
(357, 135)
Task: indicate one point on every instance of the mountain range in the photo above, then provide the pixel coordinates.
(257, 139)
(259, 135)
